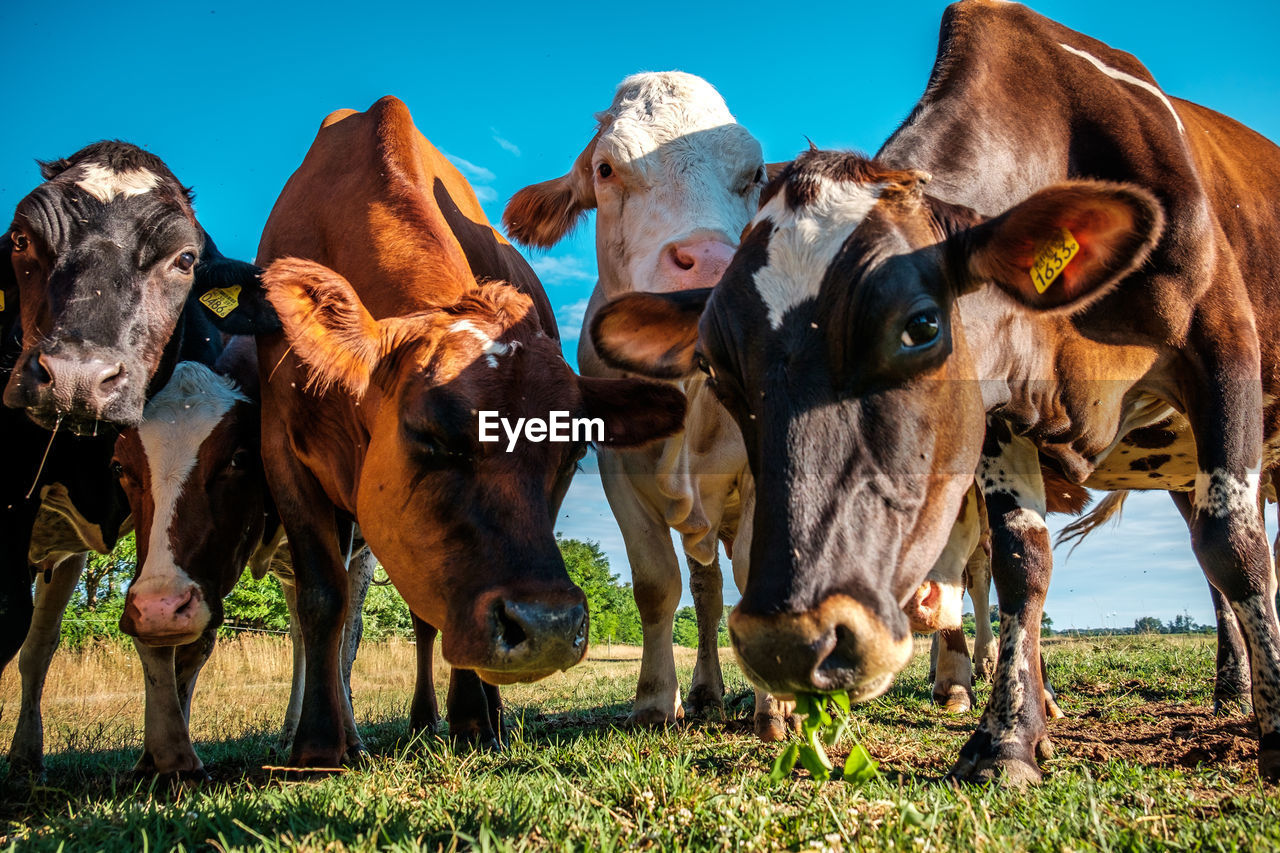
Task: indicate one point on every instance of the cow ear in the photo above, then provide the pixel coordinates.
(773, 170)
(650, 333)
(634, 411)
(542, 214)
(231, 292)
(1065, 246)
(327, 326)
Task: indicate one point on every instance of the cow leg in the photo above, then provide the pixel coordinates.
(655, 576)
(1231, 686)
(1231, 681)
(953, 681)
(294, 711)
(359, 575)
(16, 606)
(320, 577)
(1227, 530)
(471, 715)
(166, 740)
(424, 713)
(984, 642)
(774, 718)
(26, 754)
(1012, 729)
(706, 693)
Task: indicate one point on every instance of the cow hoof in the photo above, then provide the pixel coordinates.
(474, 739)
(1044, 749)
(955, 699)
(316, 758)
(705, 702)
(1009, 772)
(772, 728)
(184, 779)
(1269, 765)
(1051, 709)
(983, 669)
(654, 718)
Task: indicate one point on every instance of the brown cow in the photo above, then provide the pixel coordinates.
(410, 318)
(879, 343)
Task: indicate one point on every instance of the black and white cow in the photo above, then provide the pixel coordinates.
(101, 270)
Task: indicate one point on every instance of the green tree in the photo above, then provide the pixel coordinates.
(685, 629)
(1147, 625)
(614, 617)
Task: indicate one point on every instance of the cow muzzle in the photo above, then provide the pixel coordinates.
(172, 616)
(76, 388)
(528, 639)
(838, 645)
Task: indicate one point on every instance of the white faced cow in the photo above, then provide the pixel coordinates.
(673, 179)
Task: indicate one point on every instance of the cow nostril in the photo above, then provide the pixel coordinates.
(510, 630)
(840, 658)
(683, 261)
(111, 375)
(40, 371)
(187, 603)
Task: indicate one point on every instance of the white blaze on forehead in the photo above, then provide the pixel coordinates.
(175, 424)
(1123, 77)
(104, 183)
(491, 348)
(804, 242)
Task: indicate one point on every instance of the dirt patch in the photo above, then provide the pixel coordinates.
(1160, 734)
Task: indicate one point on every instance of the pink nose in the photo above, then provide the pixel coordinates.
(165, 618)
(693, 263)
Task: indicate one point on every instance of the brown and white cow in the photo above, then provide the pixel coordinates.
(193, 475)
(674, 179)
(913, 337)
(371, 401)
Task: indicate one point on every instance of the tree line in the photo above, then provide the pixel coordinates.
(259, 604)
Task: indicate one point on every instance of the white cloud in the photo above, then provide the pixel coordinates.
(470, 170)
(486, 193)
(505, 144)
(569, 319)
(562, 268)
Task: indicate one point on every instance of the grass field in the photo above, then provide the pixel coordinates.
(1140, 764)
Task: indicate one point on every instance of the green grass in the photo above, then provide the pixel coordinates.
(1126, 776)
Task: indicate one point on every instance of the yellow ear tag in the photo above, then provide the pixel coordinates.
(1052, 259)
(1, 300)
(222, 300)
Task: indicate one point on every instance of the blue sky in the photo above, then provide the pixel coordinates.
(230, 95)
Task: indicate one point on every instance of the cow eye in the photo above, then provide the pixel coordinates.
(185, 261)
(700, 361)
(921, 329)
(117, 470)
(604, 170)
(241, 460)
(760, 175)
(19, 241)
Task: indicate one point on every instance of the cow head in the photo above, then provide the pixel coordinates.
(463, 527)
(672, 177)
(837, 341)
(104, 253)
(192, 472)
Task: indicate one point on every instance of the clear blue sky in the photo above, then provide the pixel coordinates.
(230, 95)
